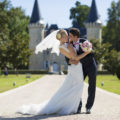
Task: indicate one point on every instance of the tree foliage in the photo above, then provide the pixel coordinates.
(100, 50)
(79, 13)
(14, 38)
(109, 58)
(112, 62)
(111, 33)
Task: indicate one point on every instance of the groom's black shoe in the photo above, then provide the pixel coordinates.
(88, 111)
(79, 111)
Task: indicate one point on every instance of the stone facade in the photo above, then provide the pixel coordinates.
(36, 33)
(45, 60)
(94, 31)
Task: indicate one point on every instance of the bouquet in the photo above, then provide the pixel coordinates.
(86, 46)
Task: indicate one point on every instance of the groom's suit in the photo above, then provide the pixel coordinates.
(90, 70)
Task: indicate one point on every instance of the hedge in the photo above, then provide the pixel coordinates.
(43, 72)
(26, 72)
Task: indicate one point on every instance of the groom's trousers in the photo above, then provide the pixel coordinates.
(90, 71)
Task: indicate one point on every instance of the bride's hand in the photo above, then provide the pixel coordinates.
(74, 58)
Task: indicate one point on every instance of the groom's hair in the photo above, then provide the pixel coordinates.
(75, 32)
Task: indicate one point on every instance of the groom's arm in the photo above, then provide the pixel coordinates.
(75, 62)
(69, 61)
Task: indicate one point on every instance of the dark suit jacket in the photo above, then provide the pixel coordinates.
(87, 60)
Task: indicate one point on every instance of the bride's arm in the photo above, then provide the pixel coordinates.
(68, 52)
(74, 55)
(71, 54)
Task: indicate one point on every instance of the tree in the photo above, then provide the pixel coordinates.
(100, 50)
(19, 38)
(4, 31)
(111, 31)
(109, 58)
(14, 38)
(79, 13)
(112, 62)
(111, 34)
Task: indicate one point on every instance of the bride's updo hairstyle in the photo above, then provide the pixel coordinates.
(60, 34)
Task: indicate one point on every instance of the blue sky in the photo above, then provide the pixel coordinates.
(58, 11)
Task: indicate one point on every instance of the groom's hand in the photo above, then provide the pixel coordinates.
(75, 62)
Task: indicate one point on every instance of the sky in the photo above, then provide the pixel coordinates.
(58, 11)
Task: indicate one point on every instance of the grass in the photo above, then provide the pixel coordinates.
(111, 83)
(6, 82)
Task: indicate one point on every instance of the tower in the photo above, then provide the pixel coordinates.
(36, 33)
(93, 23)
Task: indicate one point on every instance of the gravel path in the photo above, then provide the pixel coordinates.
(106, 106)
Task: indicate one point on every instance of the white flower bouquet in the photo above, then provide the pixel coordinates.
(86, 46)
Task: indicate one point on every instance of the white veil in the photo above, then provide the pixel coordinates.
(49, 42)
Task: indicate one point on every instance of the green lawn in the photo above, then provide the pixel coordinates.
(111, 83)
(6, 83)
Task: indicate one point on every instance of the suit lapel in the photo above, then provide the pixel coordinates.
(80, 50)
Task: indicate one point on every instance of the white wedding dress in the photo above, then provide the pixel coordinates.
(66, 100)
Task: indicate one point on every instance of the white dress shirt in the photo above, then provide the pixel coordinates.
(76, 44)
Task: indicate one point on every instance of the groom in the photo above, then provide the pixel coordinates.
(89, 68)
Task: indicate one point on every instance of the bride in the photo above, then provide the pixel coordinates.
(66, 99)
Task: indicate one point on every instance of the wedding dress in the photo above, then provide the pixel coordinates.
(66, 100)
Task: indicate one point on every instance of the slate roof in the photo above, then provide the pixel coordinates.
(93, 14)
(36, 16)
